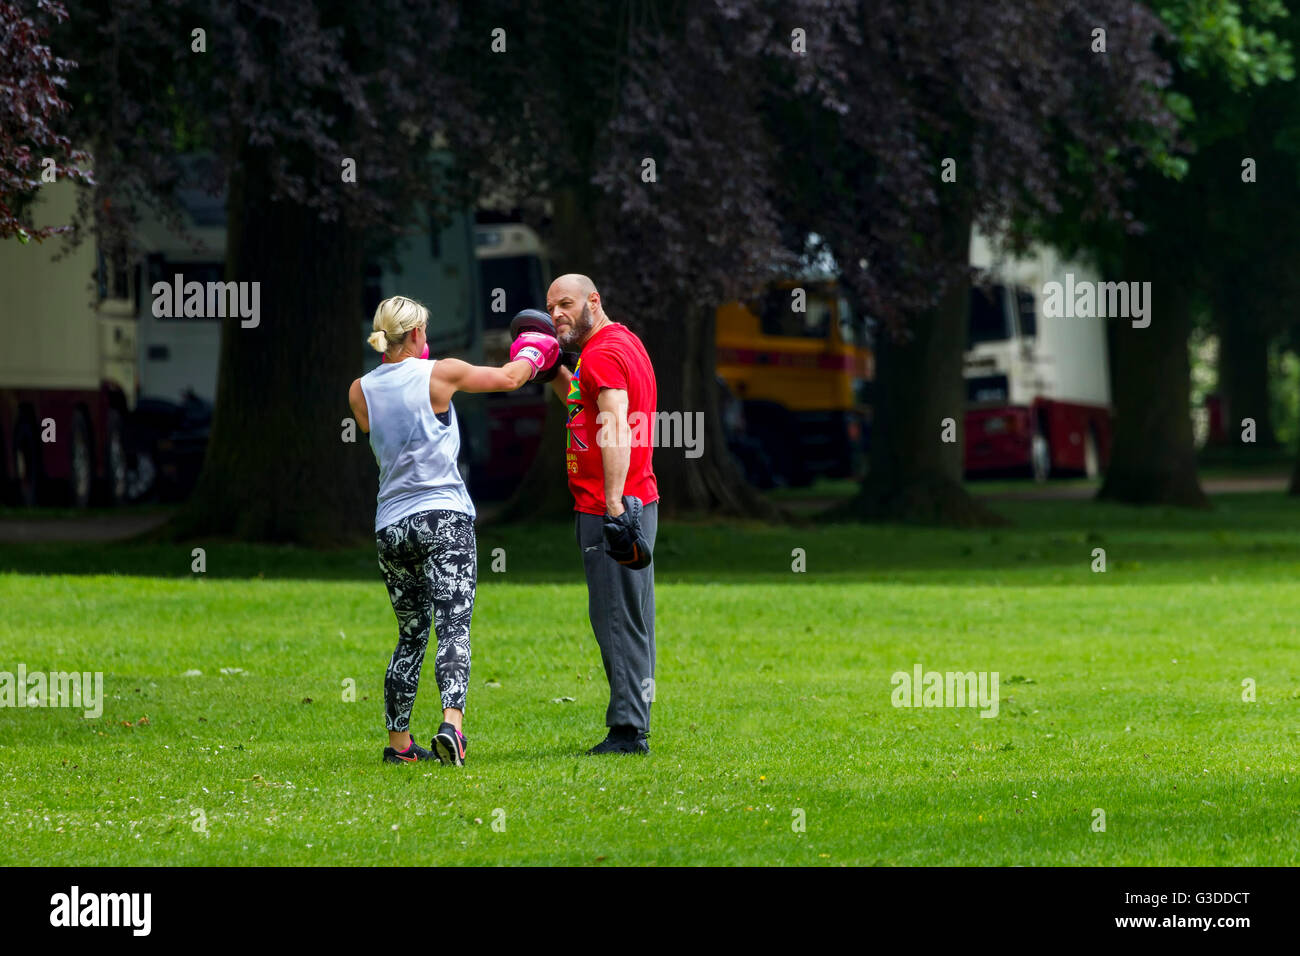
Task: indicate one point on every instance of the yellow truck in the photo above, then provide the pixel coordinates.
(796, 363)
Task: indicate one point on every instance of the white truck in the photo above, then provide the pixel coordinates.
(102, 400)
(1038, 384)
(67, 366)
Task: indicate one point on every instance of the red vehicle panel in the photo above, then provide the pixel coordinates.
(998, 439)
(1002, 438)
(515, 432)
(35, 405)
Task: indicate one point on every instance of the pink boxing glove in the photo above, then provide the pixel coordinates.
(538, 349)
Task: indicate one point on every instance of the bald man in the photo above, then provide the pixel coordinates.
(612, 382)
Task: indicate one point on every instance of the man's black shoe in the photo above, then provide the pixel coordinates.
(622, 740)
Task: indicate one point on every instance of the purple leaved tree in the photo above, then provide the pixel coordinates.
(33, 149)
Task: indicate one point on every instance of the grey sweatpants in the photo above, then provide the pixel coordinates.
(621, 605)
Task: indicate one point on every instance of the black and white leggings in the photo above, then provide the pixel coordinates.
(430, 566)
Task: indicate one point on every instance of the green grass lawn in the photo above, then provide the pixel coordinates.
(1119, 691)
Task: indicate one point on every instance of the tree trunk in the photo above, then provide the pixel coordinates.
(916, 476)
(277, 465)
(1243, 377)
(1294, 489)
(1153, 455)
(700, 475)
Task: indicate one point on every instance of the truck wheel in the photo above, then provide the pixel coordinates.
(1040, 457)
(27, 464)
(115, 459)
(83, 457)
(1091, 458)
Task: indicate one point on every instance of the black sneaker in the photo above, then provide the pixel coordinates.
(449, 745)
(623, 739)
(410, 755)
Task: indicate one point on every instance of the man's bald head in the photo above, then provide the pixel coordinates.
(574, 307)
(576, 283)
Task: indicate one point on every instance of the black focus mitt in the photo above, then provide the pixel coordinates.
(624, 541)
(535, 320)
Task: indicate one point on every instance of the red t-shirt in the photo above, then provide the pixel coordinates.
(612, 358)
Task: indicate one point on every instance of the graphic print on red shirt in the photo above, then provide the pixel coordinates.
(612, 358)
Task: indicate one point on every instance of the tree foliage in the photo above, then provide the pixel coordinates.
(1035, 121)
(32, 79)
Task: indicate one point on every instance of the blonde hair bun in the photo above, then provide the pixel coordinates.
(394, 318)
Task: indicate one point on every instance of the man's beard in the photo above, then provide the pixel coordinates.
(579, 330)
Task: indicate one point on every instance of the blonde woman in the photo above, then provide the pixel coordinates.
(424, 521)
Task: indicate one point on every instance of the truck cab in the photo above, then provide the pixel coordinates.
(796, 360)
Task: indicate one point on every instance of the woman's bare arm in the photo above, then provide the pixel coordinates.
(357, 399)
(452, 375)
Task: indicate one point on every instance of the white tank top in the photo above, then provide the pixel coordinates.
(416, 452)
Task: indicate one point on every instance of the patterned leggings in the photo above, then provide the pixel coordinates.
(429, 563)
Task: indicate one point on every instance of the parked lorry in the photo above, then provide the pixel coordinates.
(796, 363)
(1038, 384)
(67, 366)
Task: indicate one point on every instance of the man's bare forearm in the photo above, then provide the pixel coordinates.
(615, 440)
(615, 459)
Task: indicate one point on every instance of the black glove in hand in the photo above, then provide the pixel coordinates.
(624, 541)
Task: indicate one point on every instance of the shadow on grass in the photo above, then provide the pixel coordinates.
(1243, 530)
